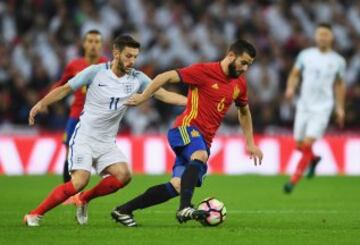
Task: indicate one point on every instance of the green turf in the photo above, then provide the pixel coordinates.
(324, 210)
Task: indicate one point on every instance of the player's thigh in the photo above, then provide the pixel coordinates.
(188, 143)
(80, 155)
(113, 162)
(300, 125)
(80, 178)
(317, 126)
(197, 148)
(120, 170)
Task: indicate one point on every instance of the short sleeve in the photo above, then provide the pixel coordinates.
(85, 77)
(193, 75)
(299, 63)
(240, 94)
(144, 80)
(340, 73)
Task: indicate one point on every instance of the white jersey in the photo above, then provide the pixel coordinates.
(319, 71)
(104, 104)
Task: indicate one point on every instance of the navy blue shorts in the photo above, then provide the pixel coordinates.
(69, 130)
(185, 141)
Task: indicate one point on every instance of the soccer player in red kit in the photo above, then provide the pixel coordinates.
(92, 46)
(213, 87)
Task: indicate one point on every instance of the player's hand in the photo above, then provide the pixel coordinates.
(289, 94)
(340, 117)
(37, 108)
(256, 154)
(135, 100)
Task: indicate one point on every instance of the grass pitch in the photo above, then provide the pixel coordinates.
(325, 210)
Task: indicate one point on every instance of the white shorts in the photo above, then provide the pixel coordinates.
(310, 124)
(85, 153)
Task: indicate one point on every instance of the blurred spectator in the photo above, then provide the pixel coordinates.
(38, 38)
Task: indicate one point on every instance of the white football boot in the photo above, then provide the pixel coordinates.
(32, 219)
(81, 210)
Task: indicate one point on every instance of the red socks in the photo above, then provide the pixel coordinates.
(307, 156)
(106, 186)
(57, 196)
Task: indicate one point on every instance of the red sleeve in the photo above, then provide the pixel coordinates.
(193, 74)
(66, 76)
(242, 99)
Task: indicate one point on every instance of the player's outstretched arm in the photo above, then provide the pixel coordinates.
(159, 81)
(170, 97)
(52, 97)
(245, 120)
(292, 83)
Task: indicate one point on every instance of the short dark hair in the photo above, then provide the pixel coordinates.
(242, 46)
(123, 41)
(92, 31)
(325, 25)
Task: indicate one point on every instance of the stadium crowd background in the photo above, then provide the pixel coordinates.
(39, 37)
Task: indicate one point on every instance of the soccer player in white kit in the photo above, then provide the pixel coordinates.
(322, 73)
(93, 142)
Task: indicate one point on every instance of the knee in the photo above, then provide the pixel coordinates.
(200, 155)
(308, 143)
(124, 176)
(79, 181)
(176, 183)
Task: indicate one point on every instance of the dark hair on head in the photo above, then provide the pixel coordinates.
(92, 31)
(123, 41)
(242, 46)
(324, 25)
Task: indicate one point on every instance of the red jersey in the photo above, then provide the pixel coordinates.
(210, 95)
(70, 71)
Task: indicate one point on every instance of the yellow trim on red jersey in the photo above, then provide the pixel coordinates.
(194, 107)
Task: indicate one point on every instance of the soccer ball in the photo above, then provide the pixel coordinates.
(217, 211)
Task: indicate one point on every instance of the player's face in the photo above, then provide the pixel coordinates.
(92, 45)
(323, 38)
(126, 58)
(240, 65)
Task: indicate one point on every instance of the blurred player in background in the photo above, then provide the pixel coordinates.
(322, 72)
(93, 143)
(213, 87)
(92, 47)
